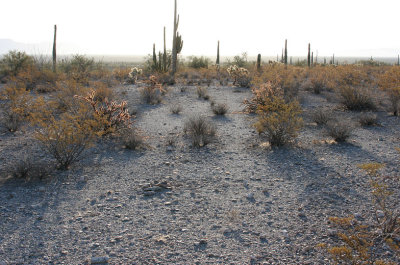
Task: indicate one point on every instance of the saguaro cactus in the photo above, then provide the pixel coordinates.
(55, 50)
(258, 62)
(165, 55)
(398, 59)
(309, 56)
(312, 58)
(333, 59)
(175, 42)
(286, 52)
(217, 61)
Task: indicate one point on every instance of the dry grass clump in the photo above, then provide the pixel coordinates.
(176, 109)
(28, 169)
(219, 108)
(131, 139)
(202, 92)
(368, 119)
(200, 130)
(340, 131)
(322, 116)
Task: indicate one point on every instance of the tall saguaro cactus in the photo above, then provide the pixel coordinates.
(309, 56)
(285, 52)
(176, 42)
(165, 55)
(258, 62)
(55, 50)
(217, 61)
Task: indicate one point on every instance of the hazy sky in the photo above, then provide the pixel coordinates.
(343, 27)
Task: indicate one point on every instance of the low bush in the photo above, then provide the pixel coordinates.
(28, 169)
(241, 76)
(153, 91)
(358, 99)
(368, 119)
(14, 62)
(175, 109)
(340, 131)
(200, 130)
(278, 120)
(67, 137)
(12, 120)
(202, 92)
(121, 74)
(110, 115)
(322, 116)
(262, 94)
(219, 108)
(198, 62)
(131, 139)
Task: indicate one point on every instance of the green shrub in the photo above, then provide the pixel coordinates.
(278, 120)
(354, 98)
(198, 62)
(14, 62)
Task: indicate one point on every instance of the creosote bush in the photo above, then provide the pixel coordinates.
(278, 120)
(67, 137)
(340, 131)
(200, 130)
(355, 98)
(389, 82)
(28, 169)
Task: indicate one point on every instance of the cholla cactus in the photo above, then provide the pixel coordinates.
(241, 76)
(133, 75)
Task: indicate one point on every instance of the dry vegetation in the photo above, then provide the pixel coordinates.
(77, 107)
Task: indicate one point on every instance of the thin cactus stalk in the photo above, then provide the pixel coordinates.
(309, 56)
(55, 50)
(312, 58)
(398, 59)
(217, 61)
(286, 52)
(333, 59)
(165, 55)
(154, 55)
(291, 61)
(324, 60)
(258, 62)
(174, 42)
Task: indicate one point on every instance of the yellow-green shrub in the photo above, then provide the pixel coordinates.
(278, 120)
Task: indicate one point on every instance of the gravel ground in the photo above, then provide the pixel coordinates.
(234, 201)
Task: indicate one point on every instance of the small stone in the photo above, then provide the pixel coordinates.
(332, 232)
(358, 216)
(380, 214)
(149, 193)
(99, 260)
(82, 179)
(42, 189)
(64, 252)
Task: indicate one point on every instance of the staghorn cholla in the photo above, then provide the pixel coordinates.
(241, 76)
(111, 114)
(133, 75)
